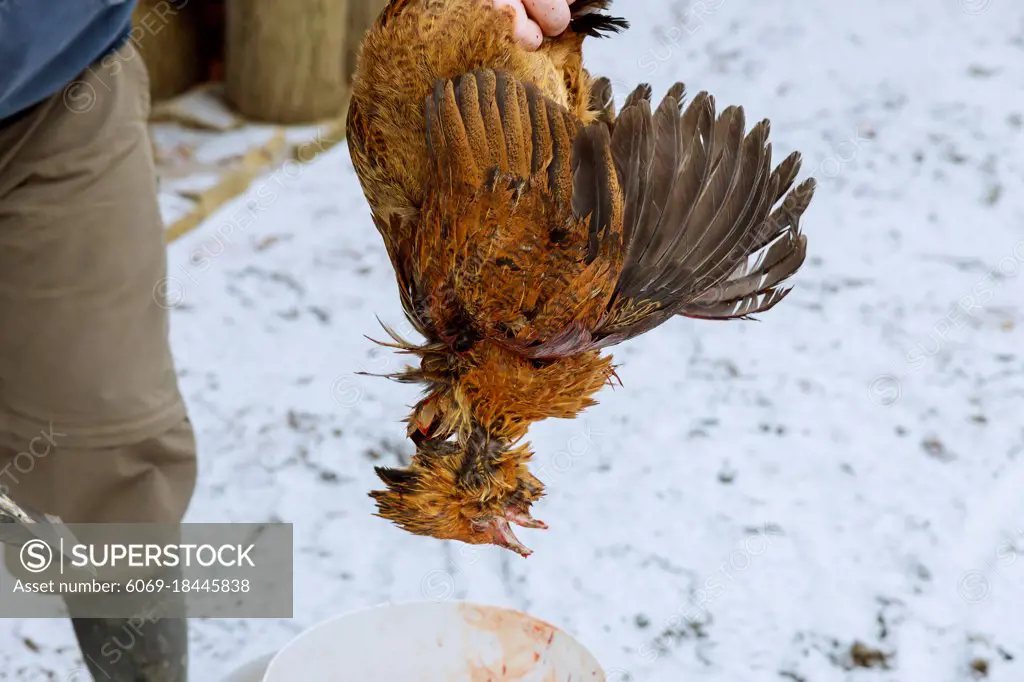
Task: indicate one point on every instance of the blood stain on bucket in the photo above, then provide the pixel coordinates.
(523, 642)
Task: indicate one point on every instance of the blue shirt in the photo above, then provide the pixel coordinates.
(46, 44)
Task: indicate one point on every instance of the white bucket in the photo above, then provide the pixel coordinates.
(434, 642)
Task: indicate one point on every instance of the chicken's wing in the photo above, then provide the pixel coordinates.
(554, 238)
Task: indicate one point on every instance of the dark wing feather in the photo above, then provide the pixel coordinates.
(698, 210)
(591, 180)
(633, 154)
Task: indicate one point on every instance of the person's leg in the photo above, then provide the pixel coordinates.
(93, 428)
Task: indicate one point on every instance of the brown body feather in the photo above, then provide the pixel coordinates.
(531, 226)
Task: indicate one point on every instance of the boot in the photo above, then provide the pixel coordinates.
(134, 650)
(137, 649)
(152, 646)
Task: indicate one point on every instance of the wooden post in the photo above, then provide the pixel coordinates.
(284, 59)
(361, 15)
(166, 34)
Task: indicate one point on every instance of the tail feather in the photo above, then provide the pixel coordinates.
(588, 19)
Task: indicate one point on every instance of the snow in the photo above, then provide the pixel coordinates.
(759, 497)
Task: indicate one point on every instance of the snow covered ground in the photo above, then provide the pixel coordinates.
(830, 494)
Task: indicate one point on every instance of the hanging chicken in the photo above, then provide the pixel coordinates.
(530, 226)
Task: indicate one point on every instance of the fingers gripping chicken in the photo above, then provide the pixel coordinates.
(530, 227)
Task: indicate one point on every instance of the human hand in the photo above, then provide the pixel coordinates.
(538, 18)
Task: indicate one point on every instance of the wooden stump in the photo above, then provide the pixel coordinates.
(361, 15)
(167, 35)
(284, 60)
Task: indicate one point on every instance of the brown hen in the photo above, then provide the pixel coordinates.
(530, 226)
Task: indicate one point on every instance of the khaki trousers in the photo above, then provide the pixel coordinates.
(92, 426)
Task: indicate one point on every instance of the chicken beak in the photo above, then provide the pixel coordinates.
(522, 517)
(503, 536)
